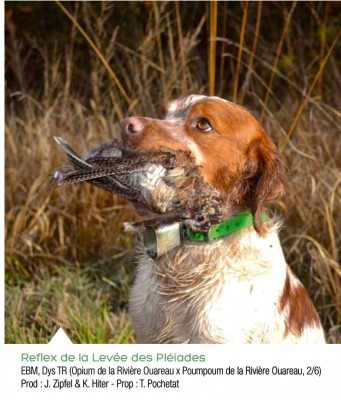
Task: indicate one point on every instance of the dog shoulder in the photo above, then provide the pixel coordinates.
(301, 320)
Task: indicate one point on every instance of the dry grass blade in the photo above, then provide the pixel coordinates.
(181, 48)
(329, 219)
(213, 45)
(323, 27)
(312, 86)
(98, 53)
(160, 49)
(240, 51)
(277, 57)
(253, 52)
(222, 51)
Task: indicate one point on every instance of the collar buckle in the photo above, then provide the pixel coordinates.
(158, 240)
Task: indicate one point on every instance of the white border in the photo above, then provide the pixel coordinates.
(198, 387)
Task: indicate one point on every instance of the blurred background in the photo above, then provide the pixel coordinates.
(76, 69)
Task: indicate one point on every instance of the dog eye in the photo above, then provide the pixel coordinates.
(204, 125)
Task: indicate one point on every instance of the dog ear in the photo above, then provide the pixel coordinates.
(269, 180)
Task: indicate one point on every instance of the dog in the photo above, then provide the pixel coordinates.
(235, 288)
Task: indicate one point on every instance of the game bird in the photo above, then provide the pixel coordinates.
(165, 185)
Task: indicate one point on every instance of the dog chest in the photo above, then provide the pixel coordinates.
(207, 295)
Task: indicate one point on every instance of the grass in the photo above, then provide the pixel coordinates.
(78, 299)
(68, 261)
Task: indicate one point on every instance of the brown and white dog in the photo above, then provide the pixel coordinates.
(235, 289)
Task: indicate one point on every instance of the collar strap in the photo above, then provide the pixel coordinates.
(225, 228)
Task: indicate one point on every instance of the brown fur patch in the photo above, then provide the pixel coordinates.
(295, 302)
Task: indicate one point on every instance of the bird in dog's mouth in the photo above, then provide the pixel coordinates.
(164, 185)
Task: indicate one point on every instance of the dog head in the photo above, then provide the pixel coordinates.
(233, 152)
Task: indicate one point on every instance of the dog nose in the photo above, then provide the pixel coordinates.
(131, 129)
(132, 125)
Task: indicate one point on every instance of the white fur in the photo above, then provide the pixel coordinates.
(226, 291)
(183, 104)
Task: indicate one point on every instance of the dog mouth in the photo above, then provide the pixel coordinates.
(158, 184)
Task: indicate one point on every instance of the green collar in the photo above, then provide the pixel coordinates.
(225, 228)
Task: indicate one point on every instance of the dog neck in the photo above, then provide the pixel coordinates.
(162, 238)
(225, 274)
(242, 255)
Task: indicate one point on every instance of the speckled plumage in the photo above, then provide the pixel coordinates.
(168, 183)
